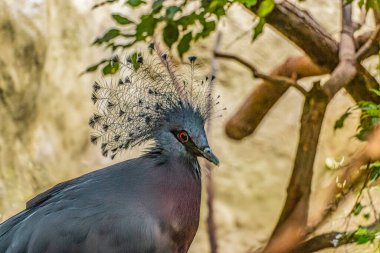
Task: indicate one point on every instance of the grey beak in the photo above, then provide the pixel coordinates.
(209, 155)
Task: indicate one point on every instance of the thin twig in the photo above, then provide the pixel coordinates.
(211, 227)
(362, 18)
(348, 218)
(363, 51)
(257, 74)
(375, 214)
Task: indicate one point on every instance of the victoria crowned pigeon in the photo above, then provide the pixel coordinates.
(149, 204)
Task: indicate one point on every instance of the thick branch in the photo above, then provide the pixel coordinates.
(324, 241)
(290, 229)
(304, 31)
(346, 70)
(300, 28)
(361, 84)
(292, 225)
(254, 109)
(330, 240)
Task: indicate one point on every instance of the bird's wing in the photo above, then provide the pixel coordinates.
(93, 213)
(42, 197)
(85, 230)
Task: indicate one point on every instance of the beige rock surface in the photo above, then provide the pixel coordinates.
(45, 106)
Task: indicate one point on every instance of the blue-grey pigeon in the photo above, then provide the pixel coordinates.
(150, 204)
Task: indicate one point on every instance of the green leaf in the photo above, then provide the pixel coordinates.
(109, 35)
(208, 27)
(258, 29)
(170, 34)
(94, 67)
(184, 43)
(249, 3)
(187, 20)
(265, 8)
(340, 122)
(362, 135)
(357, 209)
(103, 3)
(377, 92)
(216, 7)
(157, 6)
(171, 11)
(375, 170)
(364, 235)
(121, 19)
(348, 2)
(133, 58)
(135, 3)
(146, 27)
(369, 4)
(375, 164)
(111, 68)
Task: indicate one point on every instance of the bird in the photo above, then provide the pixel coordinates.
(148, 204)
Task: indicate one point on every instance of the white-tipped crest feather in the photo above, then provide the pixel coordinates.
(131, 106)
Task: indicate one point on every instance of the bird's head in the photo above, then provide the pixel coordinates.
(182, 131)
(151, 101)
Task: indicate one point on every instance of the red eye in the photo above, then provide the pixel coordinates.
(183, 136)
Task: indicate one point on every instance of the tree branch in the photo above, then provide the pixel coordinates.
(278, 80)
(300, 28)
(346, 69)
(266, 94)
(292, 225)
(330, 240)
(329, 197)
(299, 23)
(304, 31)
(366, 50)
(361, 40)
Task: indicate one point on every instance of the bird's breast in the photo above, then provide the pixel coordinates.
(180, 204)
(181, 218)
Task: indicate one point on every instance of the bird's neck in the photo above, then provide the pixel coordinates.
(184, 160)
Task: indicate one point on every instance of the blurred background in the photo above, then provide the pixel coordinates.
(45, 106)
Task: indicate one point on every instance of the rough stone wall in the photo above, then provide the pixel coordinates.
(44, 110)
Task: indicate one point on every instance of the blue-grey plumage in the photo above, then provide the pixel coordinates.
(148, 204)
(141, 205)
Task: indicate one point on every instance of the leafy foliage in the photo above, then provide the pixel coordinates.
(369, 117)
(106, 37)
(340, 122)
(367, 4)
(357, 209)
(375, 170)
(364, 235)
(181, 22)
(121, 20)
